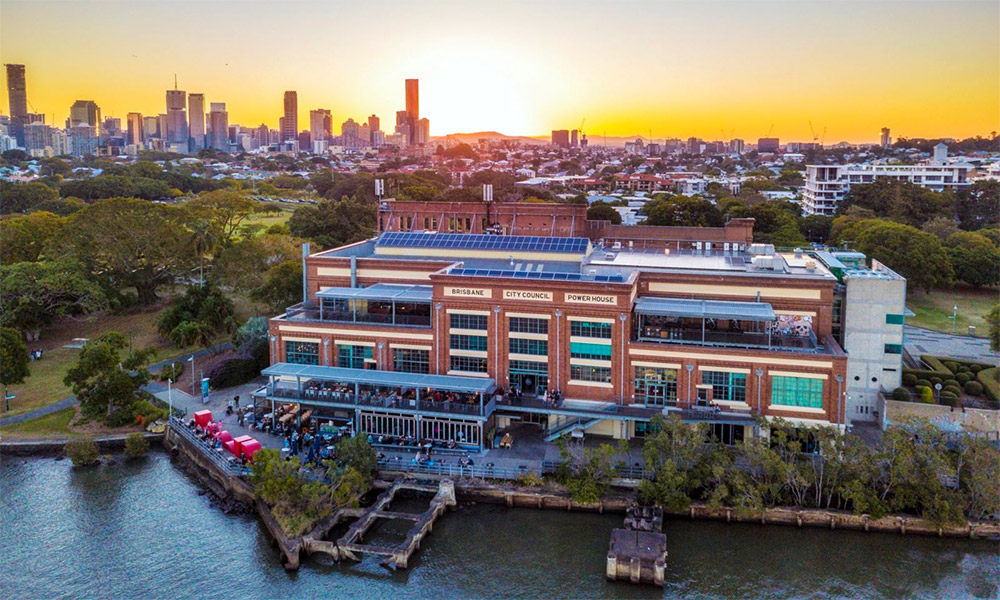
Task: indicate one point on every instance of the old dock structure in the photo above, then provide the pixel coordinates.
(638, 551)
(396, 556)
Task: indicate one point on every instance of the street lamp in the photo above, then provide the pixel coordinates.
(954, 319)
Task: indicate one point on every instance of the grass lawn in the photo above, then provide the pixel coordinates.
(55, 424)
(269, 219)
(934, 309)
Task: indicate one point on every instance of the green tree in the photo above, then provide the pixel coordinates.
(978, 205)
(993, 319)
(34, 295)
(816, 228)
(132, 244)
(24, 237)
(670, 452)
(82, 451)
(20, 197)
(334, 223)
(60, 206)
(117, 186)
(357, 453)
(686, 211)
(282, 286)
(225, 210)
(899, 201)
(585, 471)
(202, 242)
(108, 381)
(604, 212)
(918, 256)
(13, 360)
(974, 259)
(189, 333)
(136, 445)
(243, 265)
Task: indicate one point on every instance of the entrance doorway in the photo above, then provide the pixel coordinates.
(530, 377)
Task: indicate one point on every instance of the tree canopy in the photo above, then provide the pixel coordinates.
(34, 294)
(914, 254)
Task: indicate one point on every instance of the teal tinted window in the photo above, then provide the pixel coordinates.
(797, 391)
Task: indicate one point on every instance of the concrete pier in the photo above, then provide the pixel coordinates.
(638, 552)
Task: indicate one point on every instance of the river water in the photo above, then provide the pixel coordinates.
(140, 530)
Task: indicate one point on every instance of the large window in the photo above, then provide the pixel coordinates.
(468, 342)
(408, 360)
(468, 364)
(588, 329)
(524, 346)
(731, 387)
(797, 391)
(585, 373)
(528, 325)
(353, 357)
(590, 351)
(468, 321)
(656, 386)
(302, 353)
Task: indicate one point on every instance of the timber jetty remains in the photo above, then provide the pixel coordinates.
(638, 551)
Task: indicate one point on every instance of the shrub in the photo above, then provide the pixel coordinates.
(975, 368)
(172, 372)
(951, 366)
(232, 371)
(120, 417)
(974, 388)
(952, 389)
(949, 399)
(136, 445)
(991, 386)
(145, 412)
(936, 380)
(963, 378)
(923, 383)
(82, 451)
(926, 395)
(936, 365)
(901, 394)
(948, 382)
(964, 369)
(530, 479)
(909, 380)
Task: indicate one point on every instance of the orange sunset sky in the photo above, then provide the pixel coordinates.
(676, 69)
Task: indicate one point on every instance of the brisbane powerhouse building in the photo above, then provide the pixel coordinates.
(454, 336)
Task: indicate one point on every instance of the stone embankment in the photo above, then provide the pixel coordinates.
(54, 446)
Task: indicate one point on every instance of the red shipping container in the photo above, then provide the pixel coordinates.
(239, 443)
(250, 448)
(224, 436)
(231, 447)
(203, 417)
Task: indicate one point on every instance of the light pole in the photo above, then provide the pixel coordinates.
(760, 375)
(170, 395)
(558, 385)
(954, 320)
(840, 395)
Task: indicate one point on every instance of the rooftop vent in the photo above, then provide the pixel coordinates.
(761, 249)
(798, 253)
(810, 265)
(763, 263)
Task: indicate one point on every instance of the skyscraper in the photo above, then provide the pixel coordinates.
(290, 122)
(196, 120)
(218, 127)
(150, 128)
(403, 126)
(177, 129)
(412, 107)
(560, 137)
(320, 124)
(886, 138)
(423, 131)
(17, 96)
(134, 129)
(373, 128)
(84, 112)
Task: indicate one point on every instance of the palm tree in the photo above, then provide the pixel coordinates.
(203, 241)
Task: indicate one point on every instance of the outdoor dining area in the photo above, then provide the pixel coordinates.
(720, 323)
(390, 390)
(234, 450)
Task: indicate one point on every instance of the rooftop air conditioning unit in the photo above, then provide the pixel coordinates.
(761, 249)
(617, 245)
(763, 263)
(810, 265)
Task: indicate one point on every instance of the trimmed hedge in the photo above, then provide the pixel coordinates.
(909, 380)
(902, 394)
(991, 387)
(923, 383)
(974, 388)
(936, 364)
(963, 378)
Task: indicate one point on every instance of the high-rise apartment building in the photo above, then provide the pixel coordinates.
(320, 124)
(262, 135)
(37, 137)
(767, 145)
(886, 138)
(423, 131)
(17, 97)
(218, 127)
(196, 120)
(574, 138)
(560, 137)
(373, 128)
(403, 127)
(350, 128)
(177, 128)
(134, 129)
(290, 121)
(736, 146)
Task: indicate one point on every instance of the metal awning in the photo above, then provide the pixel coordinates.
(446, 383)
(705, 309)
(380, 291)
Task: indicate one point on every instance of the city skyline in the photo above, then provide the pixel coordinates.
(726, 73)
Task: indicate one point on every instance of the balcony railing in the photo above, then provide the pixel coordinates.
(315, 314)
(373, 400)
(637, 411)
(736, 339)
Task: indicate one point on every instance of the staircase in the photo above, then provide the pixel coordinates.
(571, 425)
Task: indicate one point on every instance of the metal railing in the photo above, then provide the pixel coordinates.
(453, 469)
(349, 399)
(739, 339)
(313, 313)
(213, 454)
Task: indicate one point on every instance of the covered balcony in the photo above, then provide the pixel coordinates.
(408, 393)
(382, 303)
(718, 323)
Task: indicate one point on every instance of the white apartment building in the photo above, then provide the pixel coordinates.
(826, 185)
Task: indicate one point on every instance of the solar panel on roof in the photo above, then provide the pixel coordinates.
(481, 241)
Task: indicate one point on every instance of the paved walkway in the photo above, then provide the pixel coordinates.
(921, 341)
